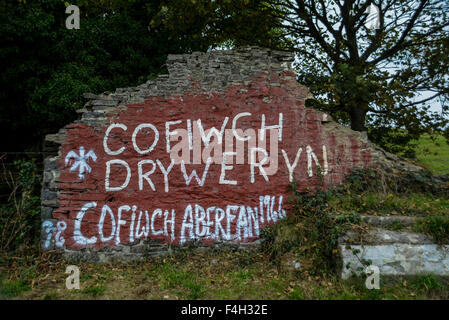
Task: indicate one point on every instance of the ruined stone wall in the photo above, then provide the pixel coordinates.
(112, 189)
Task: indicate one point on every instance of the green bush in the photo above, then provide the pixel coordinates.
(398, 141)
(313, 226)
(20, 215)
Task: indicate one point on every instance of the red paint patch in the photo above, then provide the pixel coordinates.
(217, 211)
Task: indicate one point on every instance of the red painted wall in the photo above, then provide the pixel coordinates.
(301, 128)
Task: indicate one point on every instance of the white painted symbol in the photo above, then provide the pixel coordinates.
(373, 19)
(372, 281)
(80, 162)
(72, 21)
(47, 225)
(59, 240)
(72, 281)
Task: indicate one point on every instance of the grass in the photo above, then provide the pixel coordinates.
(396, 226)
(435, 226)
(95, 290)
(235, 275)
(434, 155)
(12, 288)
(378, 203)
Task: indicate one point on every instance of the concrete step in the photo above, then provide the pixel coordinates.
(395, 253)
(386, 221)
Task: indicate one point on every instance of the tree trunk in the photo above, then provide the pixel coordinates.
(358, 116)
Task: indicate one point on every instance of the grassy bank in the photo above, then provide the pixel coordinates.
(204, 276)
(433, 154)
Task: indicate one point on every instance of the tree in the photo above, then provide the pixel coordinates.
(221, 23)
(381, 78)
(46, 68)
(369, 79)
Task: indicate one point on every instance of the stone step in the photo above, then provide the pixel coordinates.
(386, 221)
(395, 253)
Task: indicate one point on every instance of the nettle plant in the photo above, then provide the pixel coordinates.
(312, 229)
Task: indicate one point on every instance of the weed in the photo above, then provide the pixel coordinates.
(50, 296)
(373, 294)
(297, 294)
(13, 288)
(312, 227)
(173, 277)
(94, 291)
(243, 274)
(427, 283)
(396, 226)
(435, 226)
(196, 290)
